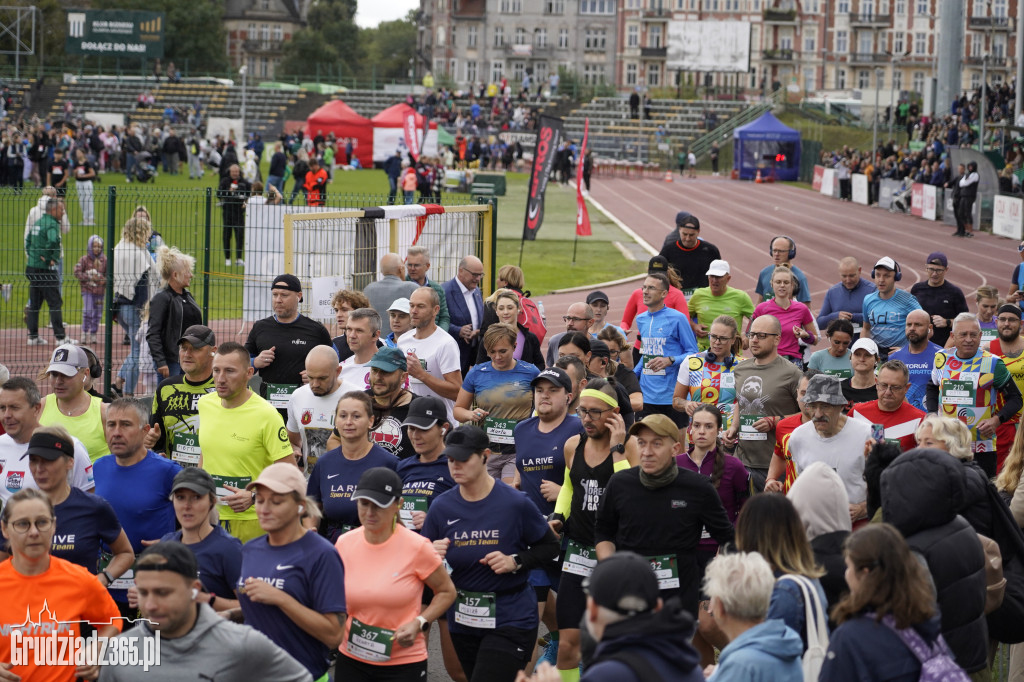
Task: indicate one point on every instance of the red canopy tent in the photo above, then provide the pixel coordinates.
(342, 120)
(388, 132)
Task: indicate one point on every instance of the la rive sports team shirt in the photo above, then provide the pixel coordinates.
(504, 521)
(422, 483)
(333, 481)
(219, 556)
(541, 456)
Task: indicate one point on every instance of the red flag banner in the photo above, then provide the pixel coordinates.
(582, 217)
(411, 133)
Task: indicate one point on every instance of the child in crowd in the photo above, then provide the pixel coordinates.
(91, 272)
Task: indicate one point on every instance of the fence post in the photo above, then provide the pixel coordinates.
(489, 246)
(108, 343)
(206, 255)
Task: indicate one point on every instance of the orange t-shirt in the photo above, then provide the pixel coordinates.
(384, 586)
(55, 599)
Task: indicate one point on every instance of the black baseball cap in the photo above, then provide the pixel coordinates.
(657, 264)
(599, 349)
(687, 219)
(597, 296)
(286, 281)
(49, 446)
(177, 559)
(379, 485)
(557, 376)
(625, 583)
(426, 411)
(464, 442)
(199, 335)
(194, 479)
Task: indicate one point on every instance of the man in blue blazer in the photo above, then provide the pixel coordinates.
(466, 308)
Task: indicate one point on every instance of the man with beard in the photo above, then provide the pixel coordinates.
(918, 355)
(1010, 347)
(311, 408)
(891, 411)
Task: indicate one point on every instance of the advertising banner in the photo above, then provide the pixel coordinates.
(116, 33)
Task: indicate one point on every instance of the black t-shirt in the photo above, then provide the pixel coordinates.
(945, 301)
(58, 171)
(692, 264)
(627, 379)
(858, 395)
(388, 432)
(291, 343)
(83, 168)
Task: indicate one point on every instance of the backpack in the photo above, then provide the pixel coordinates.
(817, 630)
(937, 664)
(530, 317)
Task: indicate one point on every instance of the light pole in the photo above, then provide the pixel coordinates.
(243, 72)
(892, 96)
(984, 104)
(874, 134)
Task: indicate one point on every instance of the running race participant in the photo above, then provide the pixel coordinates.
(782, 472)
(966, 383)
(659, 511)
(20, 408)
(70, 405)
(387, 567)
(344, 302)
(84, 521)
(782, 249)
(311, 407)
(500, 392)
(845, 300)
(337, 471)
(795, 319)
(425, 475)
(136, 482)
(598, 302)
(46, 588)
(690, 255)
(507, 308)
(635, 303)
(897, 418)
(194, 642)
(1010, 347)
(707, 377)
(578, 317)
(400, 321)
(717, 299)
(362, 331)
(492, 536)
(242, 434)
(292, 584)
(835, 360)
(939, 298)
(886, 310)
(590, 460)
(434, 363)
(666, 339)
(389, 388)
(620, 365)
(987, 299)
(578, 345)
(918, 355)
(278, 344)
(860, 387)
(175, 431)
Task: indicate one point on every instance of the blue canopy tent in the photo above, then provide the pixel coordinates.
(766, 143)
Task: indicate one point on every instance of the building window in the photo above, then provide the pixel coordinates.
(632, 36)
(264, 32)
(808, 78)
(595, 39)
(278, 32)
(518, 69)
(998, 46)
(975, 80)
(499, 36)
(264, 67)
(453, 68)
(999, 8)
(897, 80)
(842, 42)
(920, 43)
(840, 79)
(497, 70)
(630, 74)
(511, 6)
(867, 8)
(976, 46)
(554, 6)
(471, 71)
(634, 4)
(521, 36)
(563, 39)
(440, 35)
(922, 7)
(471, 36)
(542, 37)
(865, 44)
(785, 42)
(843, 7)
(654, 75)
(863, 79)
(593, 74)
(810, 41)
(901, 7)
(251, 32)
(597, 6)
(897, 42)
(654, 36)
(917, 84)
(439, 66)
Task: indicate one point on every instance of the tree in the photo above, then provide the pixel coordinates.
(330, 39)
(390, 46)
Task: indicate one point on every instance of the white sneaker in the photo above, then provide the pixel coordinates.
(68, 340)
(37, 341)
(239, 262)
(227, 263)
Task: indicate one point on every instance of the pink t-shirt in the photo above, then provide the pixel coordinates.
(384, 586)
(796, 315)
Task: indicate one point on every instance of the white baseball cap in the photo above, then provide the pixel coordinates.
(400, 305)
(718, 268)
(886, 262)
(67, 359)
(865, 344)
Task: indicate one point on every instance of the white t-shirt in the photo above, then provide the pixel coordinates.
(844, 452)
(312, 416)
(439, 355)
(356, 373)
(15, 474)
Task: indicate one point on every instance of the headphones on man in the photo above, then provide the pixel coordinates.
(792, 245)
(95, 367)
(898, 271)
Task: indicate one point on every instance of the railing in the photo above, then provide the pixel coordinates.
(870, 19)
(780, 16)
(990, 23)
(654, 52)
(869, 58)
(778, 55)
(263, 45)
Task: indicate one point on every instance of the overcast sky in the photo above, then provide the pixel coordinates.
(372, 12)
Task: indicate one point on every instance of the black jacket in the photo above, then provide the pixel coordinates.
(828, 553)
(922, 492)
(170, 314)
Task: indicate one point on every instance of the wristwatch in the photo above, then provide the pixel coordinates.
(517, 561)
(424, 623)
(107, 576)
(619, 448)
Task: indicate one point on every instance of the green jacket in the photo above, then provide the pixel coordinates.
(443, 319)
(43, 242)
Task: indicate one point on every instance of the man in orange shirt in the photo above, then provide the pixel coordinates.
(315, 184)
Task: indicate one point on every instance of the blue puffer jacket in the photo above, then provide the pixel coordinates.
(864, 649)
(662, 639)
(767, 652)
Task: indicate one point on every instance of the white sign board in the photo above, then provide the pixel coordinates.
(828, 182)
(323, 291)
(105, 119)
(930, 210)
(387, 140)
(225, 127)
(709, 46)
(1006, 217)
(860, 189)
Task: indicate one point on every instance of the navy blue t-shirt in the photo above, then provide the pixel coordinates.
(309, 570)
(504, 521)
(541, 456)
(333, 481)
(425, 479)
(219, 556)
(84, 521)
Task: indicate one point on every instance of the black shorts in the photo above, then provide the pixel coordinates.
(494, 655)
(572, 601)
(353, 670)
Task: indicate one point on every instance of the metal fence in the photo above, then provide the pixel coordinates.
(231, 295)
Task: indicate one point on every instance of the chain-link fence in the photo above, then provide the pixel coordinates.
(230, 284)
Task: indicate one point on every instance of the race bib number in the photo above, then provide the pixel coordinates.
(579, 559)
(410, 505)
(957, 392)
(278, 394)
(840, 373)
(652, 372)
(666, 568)
(234, 481)
(369, 643)
(747, 430)
(988, 335)
(476, 609)
(687, 293)
(500, 430)
(185, 449)
(126, 580)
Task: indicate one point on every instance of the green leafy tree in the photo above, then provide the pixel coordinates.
(330, 40)
(390, 46)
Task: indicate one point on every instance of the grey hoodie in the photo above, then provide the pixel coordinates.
(215, 650)
(820, 497)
